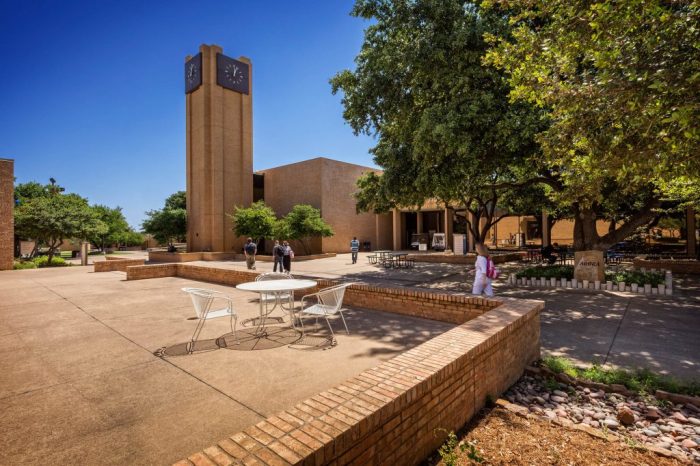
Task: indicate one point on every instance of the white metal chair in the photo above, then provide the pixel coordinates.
(328, 302)
(202, 299)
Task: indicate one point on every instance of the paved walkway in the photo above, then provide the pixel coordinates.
(621, 329)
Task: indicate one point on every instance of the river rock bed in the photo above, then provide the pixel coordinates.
(641, 419)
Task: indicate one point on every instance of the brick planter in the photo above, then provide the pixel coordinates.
(388, 414)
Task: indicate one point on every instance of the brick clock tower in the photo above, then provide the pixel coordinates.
(219, 147)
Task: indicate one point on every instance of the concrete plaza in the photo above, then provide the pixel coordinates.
(81, 382)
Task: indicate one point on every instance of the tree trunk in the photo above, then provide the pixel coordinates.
(586, 235)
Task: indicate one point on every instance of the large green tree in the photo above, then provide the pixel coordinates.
(620, 83)
(303, 223)
(51, 219)
(444, 124)
(257, 221)
(170, 223)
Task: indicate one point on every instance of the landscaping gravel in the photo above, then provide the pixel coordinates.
(640, 418)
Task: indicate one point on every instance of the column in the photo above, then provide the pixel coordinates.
(691, 249)
(449, 223)
(397, 229)
(546, 240)
(419, 221)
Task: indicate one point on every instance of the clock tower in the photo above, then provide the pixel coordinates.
(219, 147)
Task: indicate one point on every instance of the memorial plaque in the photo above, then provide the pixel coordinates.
(589, 265)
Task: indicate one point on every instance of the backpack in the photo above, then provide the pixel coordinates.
(491, 270)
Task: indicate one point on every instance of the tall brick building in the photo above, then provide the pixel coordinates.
(7, 227)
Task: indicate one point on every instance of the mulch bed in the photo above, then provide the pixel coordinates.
(502, 437)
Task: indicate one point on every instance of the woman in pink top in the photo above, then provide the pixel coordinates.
(482, 283)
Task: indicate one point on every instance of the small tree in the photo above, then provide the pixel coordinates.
(304, 222)
(170, 223)
(257, 221)
(116, 223)
(50, 220)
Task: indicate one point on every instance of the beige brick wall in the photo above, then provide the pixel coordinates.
(120, 265)
(327, 185)
(7, 222)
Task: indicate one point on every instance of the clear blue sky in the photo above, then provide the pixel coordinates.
(92, 93)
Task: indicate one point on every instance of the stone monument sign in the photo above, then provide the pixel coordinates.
(7, 222)
(589, 265)
(218, 93)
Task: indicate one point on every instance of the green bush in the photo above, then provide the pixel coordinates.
(43, 261)
(567, 271)
(24, 265)
(548, 271)
(640, 278)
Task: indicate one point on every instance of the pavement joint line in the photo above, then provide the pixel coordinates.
(262, 416)
(617, 330)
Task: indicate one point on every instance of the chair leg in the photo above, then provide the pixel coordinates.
(346, 325)
(195, 335)
(331, 329)
(234, 326)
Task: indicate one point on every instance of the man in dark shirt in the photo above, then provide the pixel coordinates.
(250, 249)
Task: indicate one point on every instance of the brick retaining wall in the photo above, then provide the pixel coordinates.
(393, 414)
(675, 266)
(117, 264)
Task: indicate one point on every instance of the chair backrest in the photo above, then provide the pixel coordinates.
(201, 300)
(274, 276)
(332, 298)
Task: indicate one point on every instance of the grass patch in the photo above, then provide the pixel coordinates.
(639, 380)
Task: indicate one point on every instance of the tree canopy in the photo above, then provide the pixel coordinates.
(257, 221)
(303, 223)
(621, 84)
(52, 218)
(117, 229)
(445, 126)
(170, 223)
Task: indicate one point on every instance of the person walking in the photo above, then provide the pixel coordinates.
(250, 249)
(484, 270)
(354, 249)
(278, 256)
(288, 256)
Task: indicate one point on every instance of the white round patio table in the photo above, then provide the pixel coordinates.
(274, 287)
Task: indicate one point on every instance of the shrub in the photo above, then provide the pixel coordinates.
(640, 278)
(550, 271)
(43, 261)
(24, 265)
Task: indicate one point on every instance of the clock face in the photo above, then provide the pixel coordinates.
(193, 73)
(232, 74)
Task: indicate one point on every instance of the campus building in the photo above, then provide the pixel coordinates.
(219, 106)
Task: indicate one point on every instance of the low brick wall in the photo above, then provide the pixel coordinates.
(445, 307)
(462, 259)
(163, 256)
(675, 266)
(112, 264)
(392, 414)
